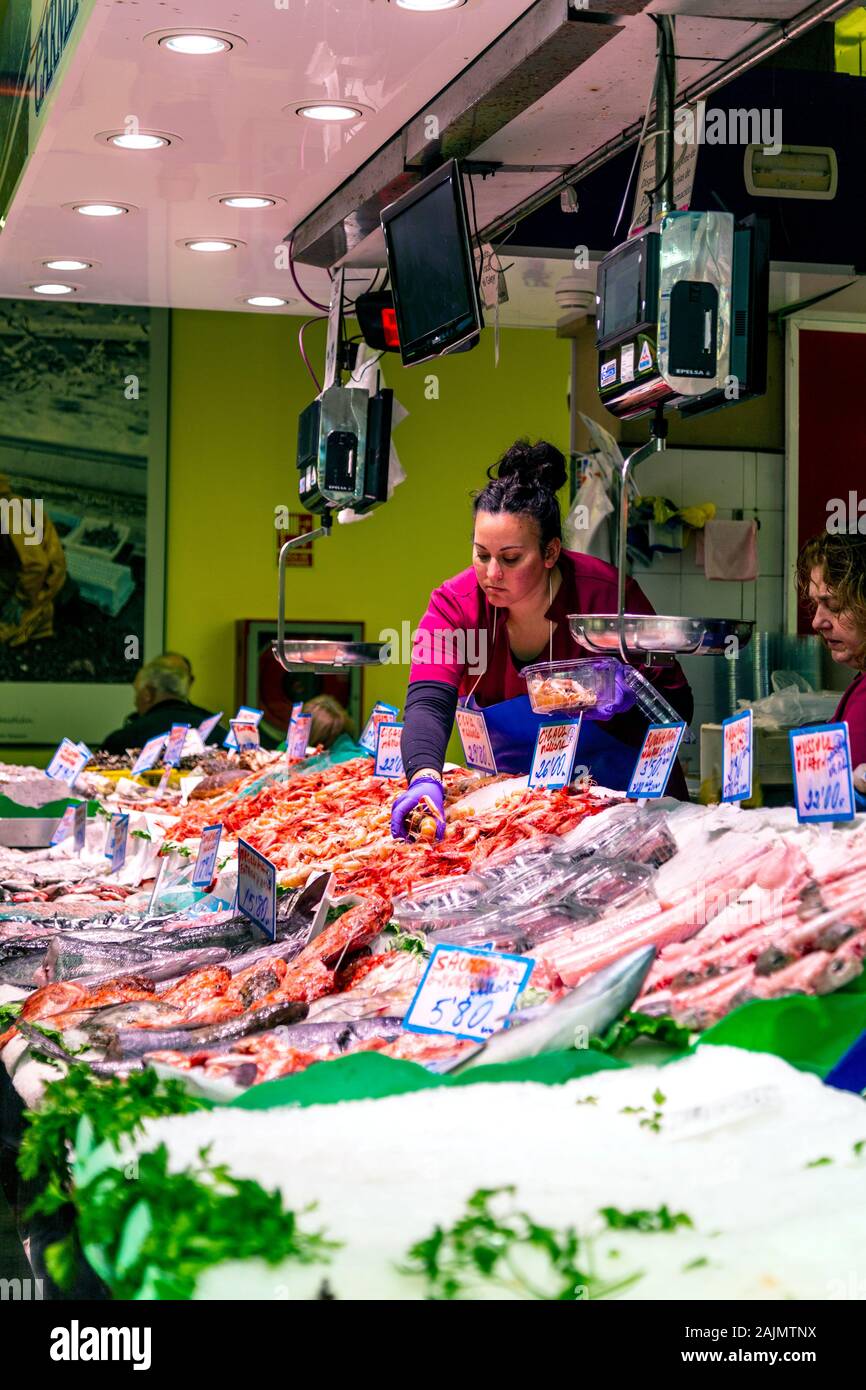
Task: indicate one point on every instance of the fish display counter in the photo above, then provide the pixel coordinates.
(551, 936)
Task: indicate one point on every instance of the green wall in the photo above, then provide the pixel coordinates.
(237, 386)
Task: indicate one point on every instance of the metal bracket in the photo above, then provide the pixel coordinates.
(323, 530)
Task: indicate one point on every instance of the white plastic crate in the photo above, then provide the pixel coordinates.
(102, 583)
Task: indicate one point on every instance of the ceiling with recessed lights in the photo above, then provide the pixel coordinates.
(175, 175)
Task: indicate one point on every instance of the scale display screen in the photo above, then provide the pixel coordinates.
(628, 289)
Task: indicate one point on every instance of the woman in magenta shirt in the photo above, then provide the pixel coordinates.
(511, 609)
(832, 575)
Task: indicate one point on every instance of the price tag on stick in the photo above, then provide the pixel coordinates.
(553, 759)
(382, 714)
(299, 737)
(79, 826)
(245, 735)
(821, 761)
(389, 758)
(466, 993)
(64, 826)
(174, 746)
(737, 757)
(257, 888)
(202, 874)
(207, 726)
(68, 762)
(656, 760)
(115, 843)
(477, 749)
(149, 754)
(246, 715)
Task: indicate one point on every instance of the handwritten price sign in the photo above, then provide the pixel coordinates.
(477, 749)
(299, 737)
(149, 754)
(115, 842)
(468, 994)
(79, 826)
(174, 747)
(257, 888)
(382, 714)
(68, 762)
(207, 726)
(245, 735)
(656, 760)
(389, 759)
(553, 759)
(245, 715)
(737, 757)
(64, 826)
(205, 862)
(821, 760)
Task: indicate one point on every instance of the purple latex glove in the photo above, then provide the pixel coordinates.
(623, 698)
(401, 811)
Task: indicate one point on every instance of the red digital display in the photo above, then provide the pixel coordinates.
(389, 328)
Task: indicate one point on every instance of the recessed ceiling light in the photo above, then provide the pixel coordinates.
(247, 200)
(265, 301)
(210, 244)
(50, 288)
(138, 140)
(68, 265)
(429, 4)
(101, 209)
(198, 45)
(329, 111)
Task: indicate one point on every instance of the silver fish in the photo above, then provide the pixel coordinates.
(592, 1007)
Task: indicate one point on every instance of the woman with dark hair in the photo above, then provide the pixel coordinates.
(509, 610)
(831, 573)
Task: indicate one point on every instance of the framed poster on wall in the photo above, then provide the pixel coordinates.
(261, 682)
(83, 410)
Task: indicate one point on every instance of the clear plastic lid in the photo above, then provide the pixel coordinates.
(567, 687)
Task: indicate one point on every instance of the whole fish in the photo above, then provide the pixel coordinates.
(119, 1042)
(591, 1007)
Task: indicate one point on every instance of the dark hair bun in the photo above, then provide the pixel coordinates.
(539, 465)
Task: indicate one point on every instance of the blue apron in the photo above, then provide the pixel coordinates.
(513, 725)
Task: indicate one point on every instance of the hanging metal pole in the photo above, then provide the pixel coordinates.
(665, 102)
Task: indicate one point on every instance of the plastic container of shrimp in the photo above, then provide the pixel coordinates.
(568, 687)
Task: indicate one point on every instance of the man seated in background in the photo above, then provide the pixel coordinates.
(161, 692)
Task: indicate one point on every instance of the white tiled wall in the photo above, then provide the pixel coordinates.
(751, 482)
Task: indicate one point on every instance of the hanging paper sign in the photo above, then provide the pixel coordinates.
(257, 888)
(297, 711)
(64, 826)
(174, 746)
(382, 714)
(737, 757)
(477, 749)
(115, 841)
(245, 715)
(68, 762)
(553, 759)
(299, 737)
(245, 735)
(467, 993)
(821, 760)
(203, 873)
(149, 754)
(207, 726)
(389, 758)
(79, 825)
(655, 761)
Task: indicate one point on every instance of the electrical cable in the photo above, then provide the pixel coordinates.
(365, 367)
(303, 351)
(324, 308)
(637, 154)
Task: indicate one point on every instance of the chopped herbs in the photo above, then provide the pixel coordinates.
(493, 1243)
(141, 835)
(621, 1034)
(819, 1162)
(700, 1263)
(859, 1147)
(645, 1221)
(587, 1100)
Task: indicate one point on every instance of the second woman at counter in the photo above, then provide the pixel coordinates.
(512, 608)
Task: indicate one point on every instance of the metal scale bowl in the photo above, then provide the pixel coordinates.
(297, 655)
(652, 639)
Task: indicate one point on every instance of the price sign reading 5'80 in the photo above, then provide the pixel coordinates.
(821, 761)
(257, 888)
(467, 993)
